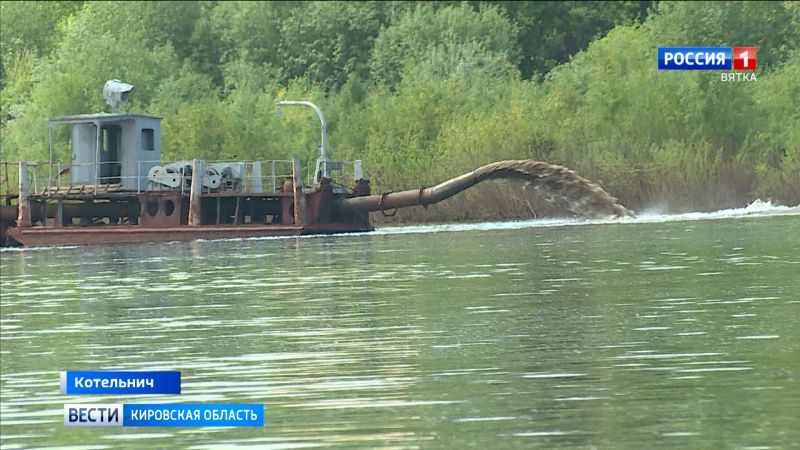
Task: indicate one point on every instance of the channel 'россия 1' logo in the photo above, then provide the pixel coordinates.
(739, 62)
(707, 58)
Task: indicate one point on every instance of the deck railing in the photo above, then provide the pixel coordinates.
(9, 179)
(43, 177)
(263, 176)
(247, 176)
(341, 177)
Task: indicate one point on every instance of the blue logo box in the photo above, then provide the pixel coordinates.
(695, 58)
(115, 383)
(193, 415)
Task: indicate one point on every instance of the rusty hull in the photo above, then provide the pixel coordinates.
(168, 216)
(48, 236)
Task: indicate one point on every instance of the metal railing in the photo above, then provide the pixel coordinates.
(9, 178)
(254, 176)
(245, 176)
(343, 178)
(106, 176)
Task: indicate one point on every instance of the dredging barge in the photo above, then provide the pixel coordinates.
(116, 189)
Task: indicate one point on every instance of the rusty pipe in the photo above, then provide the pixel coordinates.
(403, 199)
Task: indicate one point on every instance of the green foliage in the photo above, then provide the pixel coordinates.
(251, 30)
(443, 38)
(30, 27)
(550, 31)
(773, 148)
(425, 91)
(327, 41)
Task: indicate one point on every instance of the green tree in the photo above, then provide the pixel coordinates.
(330, 41)
(444, 35)
(551, 32)
(251, 31)
(27, 26)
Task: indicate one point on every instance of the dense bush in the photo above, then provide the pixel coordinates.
(425, 91)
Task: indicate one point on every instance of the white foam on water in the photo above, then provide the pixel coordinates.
(756, 208)
(716, 369)
(484, 419)
(544, 433)
(552, 375)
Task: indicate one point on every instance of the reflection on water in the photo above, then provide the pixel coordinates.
(679, 333)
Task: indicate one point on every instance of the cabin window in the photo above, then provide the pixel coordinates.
(148, 139)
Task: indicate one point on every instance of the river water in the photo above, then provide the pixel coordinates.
(661, 331)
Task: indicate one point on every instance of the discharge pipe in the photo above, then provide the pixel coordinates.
(579, 195)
